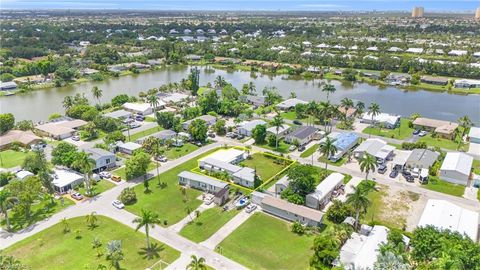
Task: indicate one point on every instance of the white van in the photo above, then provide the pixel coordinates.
(423, 176)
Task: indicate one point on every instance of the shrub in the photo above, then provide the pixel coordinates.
(298, 228)
(128, 196)
(339, 211)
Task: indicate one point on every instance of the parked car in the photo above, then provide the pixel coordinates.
(382, 169)
(76, 138)
(128, 120)
(116, 178)
(139, 118)
(292, 148)
(211, 135)
(297, 122)
(118, 204)
(393, 174)
(105, 175)
(416, 132)
(409, 178)
(240, 137)
(301, 148)
(134, 125)
(250, 208)
(161, 158)
(77, 196)
(422, 133)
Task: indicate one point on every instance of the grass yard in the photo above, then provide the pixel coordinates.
(135, 136)
(338, 163)
(121, 171)
(440, 142)
(310, 151)
(266, 242)
(282, 146)
(168, 202)
(10, 158)
(176, 152)
(99, 187)
(402, 132)
(209, 221)
(40, 211)
(265, 166)
(476, 166)
(435, 184)
(53, 249)
(292, 115)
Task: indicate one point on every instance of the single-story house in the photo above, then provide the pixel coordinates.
(163, 135)
(282, 130)
(398, 78)
(467, 83)
(118, 114)
(128, 147)
(59, 130)
(456, 168)
(343, 142)
(103, 159)
(434, 80)
(291, 212)
(170, 98)
(22, 174)
(323, 192)
(443, 128)
(457, 52)
(385, 119)
(24, 138)
(414, 50)
(201, 182)
(256, 101)
(421, 159)
(65, 180)
(303, 134)
(209, 119)
(141, 108)
(289, 104)
(230, 155)
(282, 184)
(246, 128)
(243, 176)
(375, 147)
(7, 85)
(446, 215)
(474, 135)
(400, 158)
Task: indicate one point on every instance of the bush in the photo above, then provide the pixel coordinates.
(298, 228)
(128, 196)
(339, 211)
(411, 146)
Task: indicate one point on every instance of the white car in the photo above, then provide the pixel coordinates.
(118, 204)
(76, 138)
(250, 208)
(422, 133)
(105, 175)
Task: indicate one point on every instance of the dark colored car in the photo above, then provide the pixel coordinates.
(296, 122)
(416, 132)
(382, 169)
(139, 117)
(301, 148)
(393, 174)
(409, 178)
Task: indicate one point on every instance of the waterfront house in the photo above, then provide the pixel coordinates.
(289, 104)
(467, 83)
(7, 85)
(291, 212)
(474, 135)
(444, 129)
(384, 119)
(456, 168)
(434, 80)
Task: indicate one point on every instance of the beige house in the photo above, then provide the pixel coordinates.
(444, 129)
(62, 129)
(24, 138)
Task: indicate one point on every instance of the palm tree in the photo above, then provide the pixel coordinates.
(92, 219)
(147, 220)
(197, 263)
(327, 148)
(220, 82)
(68, 102)
(6, 200)
(293, 95)
(85, 164)
(360, 106)
(153, 100)
(346, 103)
(66, 226)
(277, 122)
(114, 253)
(97, 93)
(465, 123)
(359, 200)
(329, 88)
(312, 109)
(325, 113)
(368, 163)
(373, 110)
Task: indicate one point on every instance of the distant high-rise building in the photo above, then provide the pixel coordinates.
(477, 14)
(417, 12)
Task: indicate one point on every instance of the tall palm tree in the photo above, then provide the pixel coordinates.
(465, 123)
(329, 89)
(312, 109)
(97, 93)
(327, 148)
(220, 81)
(85, 164)
(148, 220)
(197, 263)
(368, 163)
(92, 219)
(154, 101)
(373, 110)
(6, 200)
(346, 103)
(277, 122)
(68, 102)
(115, 253)
(325, 113)
(360, 107)
(359, 200)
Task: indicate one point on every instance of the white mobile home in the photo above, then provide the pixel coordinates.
(291, 212)
(323, 192)
(201, 182)
(247, 128)
(456, 168)
(65, 180)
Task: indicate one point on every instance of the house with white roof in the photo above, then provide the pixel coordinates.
(323, 192)
(385, 119)
(202, 182)
(290, 211)
(448, 216)
(128, 147)
(474, 135)
(414, 50)
(282, 130)
(209, 120)
(456, 168)
(457, 52)
(375, 147)
(246, 128)
(467, 83)
(289, 104)
(65, 180)
(141, 108)
(22, 174)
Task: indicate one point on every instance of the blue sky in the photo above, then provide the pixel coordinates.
(281, 5)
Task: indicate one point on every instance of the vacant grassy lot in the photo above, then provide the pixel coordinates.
(176, 152)
(209, 221)
(168, 202)
(476, 166)
(266, 242)
(121, 171)
(265, 166)
(435, 184)
(99, 187)
(291, 115)
(282, 146)
(309, 151)
(402, 132)
(11, 158)
(52, 249)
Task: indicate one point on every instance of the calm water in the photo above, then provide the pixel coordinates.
(38, 105)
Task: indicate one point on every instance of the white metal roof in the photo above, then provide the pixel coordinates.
(250, 125)
(227, 155)
(456, 161)
(446, 215)
(327, 185)
(401, 157)
(65, 177)
(474, 132)
(382, 118)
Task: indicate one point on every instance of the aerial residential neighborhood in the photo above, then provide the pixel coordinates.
(240, 135)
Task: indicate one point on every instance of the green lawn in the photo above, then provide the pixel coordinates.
(402, 132)
(265, 166)
(40, 211)
(99, 187)
(338, 163)
(121, 171)
(266, 242)
(52, 249)
(440, 142)
(435, 184)
(476, 166)
(176, 152)
(168, 202)
(209, 221)
(282, 146)
(309, 151)
(291, 115)
(138, 135)
(10, 158)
